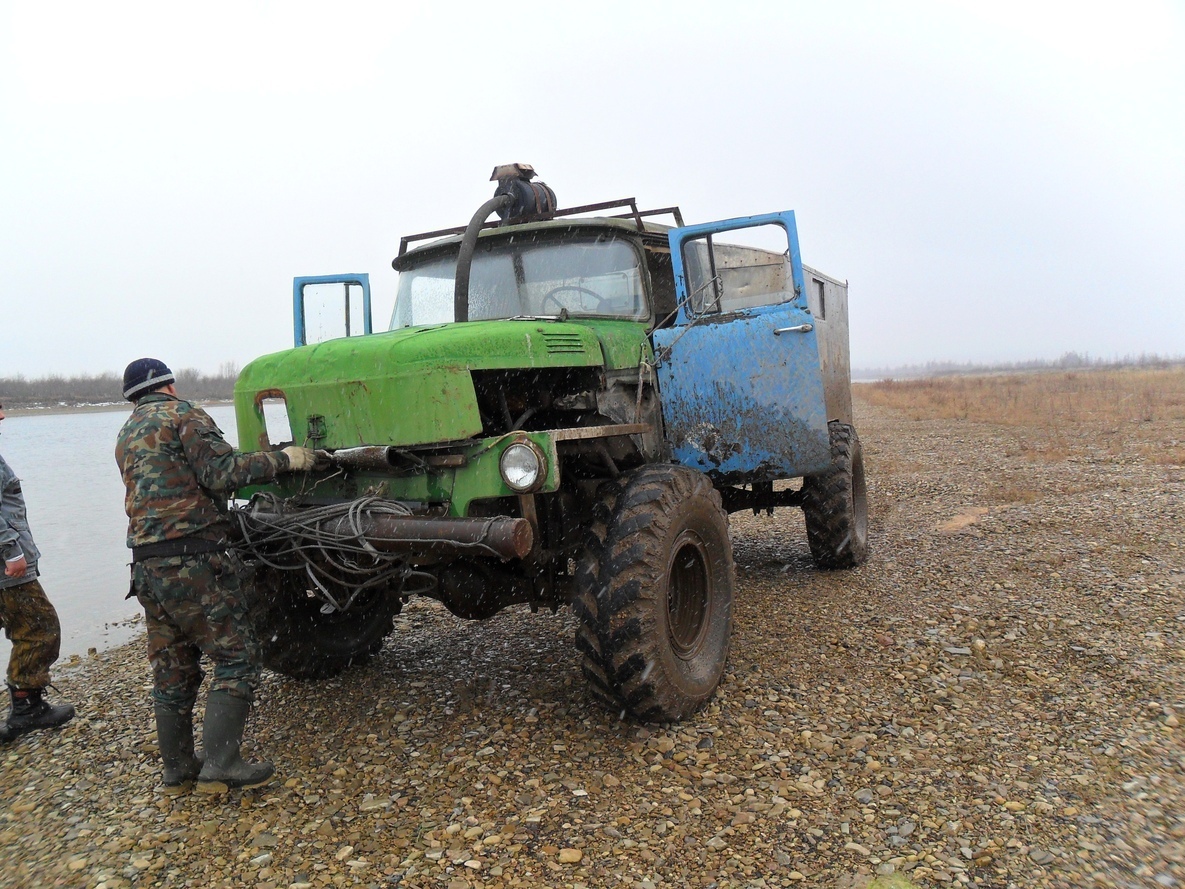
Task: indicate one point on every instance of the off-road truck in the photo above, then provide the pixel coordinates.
(563, 411)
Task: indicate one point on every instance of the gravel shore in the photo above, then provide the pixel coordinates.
(993, 700)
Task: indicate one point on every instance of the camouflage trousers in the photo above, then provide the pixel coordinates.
(31, 623)
(196, 605)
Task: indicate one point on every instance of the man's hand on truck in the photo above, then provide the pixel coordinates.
(304, 459)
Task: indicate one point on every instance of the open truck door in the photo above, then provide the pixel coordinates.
(328, 307)
(739, 369)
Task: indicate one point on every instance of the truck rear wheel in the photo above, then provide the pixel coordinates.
(302, 637)
(836, 504)
(655, 594)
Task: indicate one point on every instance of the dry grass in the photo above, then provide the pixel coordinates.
(1097, 398)
(1122, 411)
(1009, 493)
(1166, 454)
(891, 882)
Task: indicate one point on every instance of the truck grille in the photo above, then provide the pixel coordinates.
(563, 343)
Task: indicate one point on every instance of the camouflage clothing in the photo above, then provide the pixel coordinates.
(178, 471)
(28, 618)
(196, 605)
(15, 537)
(31, 623)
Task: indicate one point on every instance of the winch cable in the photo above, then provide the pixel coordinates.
(301, 541)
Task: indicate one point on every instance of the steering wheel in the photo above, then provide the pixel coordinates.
(551, 297)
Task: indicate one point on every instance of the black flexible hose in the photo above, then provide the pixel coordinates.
(465, 253)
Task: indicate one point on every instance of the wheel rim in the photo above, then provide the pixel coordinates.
(689, 595)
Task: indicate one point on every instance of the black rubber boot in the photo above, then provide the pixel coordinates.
(174, 734)
(30, 711)
(222, 732)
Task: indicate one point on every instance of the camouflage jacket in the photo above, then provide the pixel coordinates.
(179, 471)
(15, 538)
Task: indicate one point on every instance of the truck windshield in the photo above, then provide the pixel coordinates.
(596, 276)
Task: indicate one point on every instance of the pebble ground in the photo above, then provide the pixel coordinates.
(994, 700)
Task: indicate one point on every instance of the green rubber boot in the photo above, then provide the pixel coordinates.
(174, 734)
(222, 732)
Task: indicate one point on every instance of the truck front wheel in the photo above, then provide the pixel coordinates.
(302, 637)
(654, 594)
(836, 504)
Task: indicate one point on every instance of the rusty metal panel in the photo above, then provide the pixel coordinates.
(828, 300)
(579, 433)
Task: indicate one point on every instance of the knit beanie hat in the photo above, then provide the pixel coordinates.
(143, 376)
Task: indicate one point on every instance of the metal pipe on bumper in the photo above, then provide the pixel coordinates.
(508, 538)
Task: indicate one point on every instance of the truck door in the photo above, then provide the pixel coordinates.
(738, 370)
(327, 307)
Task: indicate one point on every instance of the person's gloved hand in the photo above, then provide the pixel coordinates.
(300, 459)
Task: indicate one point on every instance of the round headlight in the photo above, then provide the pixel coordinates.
(522, 466)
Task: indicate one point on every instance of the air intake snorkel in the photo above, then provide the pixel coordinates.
(516, 199)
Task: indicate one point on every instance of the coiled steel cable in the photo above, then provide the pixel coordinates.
(300, 541)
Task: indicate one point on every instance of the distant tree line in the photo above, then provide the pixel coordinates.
(107, 388)
(1068, 361)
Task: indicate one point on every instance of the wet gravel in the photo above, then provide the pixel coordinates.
(994, 700)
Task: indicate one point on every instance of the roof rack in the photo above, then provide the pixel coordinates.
(634, 214)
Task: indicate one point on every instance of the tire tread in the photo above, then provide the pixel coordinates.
(830, 508)
(617, 579)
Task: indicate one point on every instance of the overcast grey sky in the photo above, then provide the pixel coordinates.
(997, 181)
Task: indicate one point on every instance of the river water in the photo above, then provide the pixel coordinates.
(72, 487)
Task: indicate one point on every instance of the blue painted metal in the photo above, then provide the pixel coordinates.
(298, 286)
(742, 403)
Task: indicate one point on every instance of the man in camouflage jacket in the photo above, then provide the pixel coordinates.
(27, 616)
(179, 472)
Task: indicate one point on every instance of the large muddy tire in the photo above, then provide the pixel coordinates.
(301, 637)
(836, 504)
(654, 594)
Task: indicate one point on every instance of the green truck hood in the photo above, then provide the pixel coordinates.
(413, 386)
